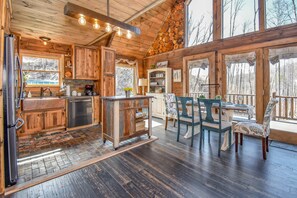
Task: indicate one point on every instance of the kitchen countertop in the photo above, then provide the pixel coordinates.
(114, 98)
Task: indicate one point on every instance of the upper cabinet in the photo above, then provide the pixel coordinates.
(86, 63)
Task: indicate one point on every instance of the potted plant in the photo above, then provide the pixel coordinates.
(202, 96)
(127, 91)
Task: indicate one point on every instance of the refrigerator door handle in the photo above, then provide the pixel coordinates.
(21, 121)
(21, 84)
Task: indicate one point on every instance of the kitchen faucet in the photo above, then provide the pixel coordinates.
(42, 90)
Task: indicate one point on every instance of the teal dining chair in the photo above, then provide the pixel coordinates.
(185, 116)
(208, 123)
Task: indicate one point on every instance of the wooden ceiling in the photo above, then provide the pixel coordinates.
(33, 19)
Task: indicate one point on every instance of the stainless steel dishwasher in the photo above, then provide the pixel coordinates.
(79, 111)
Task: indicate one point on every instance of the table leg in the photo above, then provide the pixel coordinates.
(189, 132)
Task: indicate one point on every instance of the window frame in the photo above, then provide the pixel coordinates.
(135, 83)
(58, 57)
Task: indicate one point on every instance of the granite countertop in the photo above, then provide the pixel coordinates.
(125, 98)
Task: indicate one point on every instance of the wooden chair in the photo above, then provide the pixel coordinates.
(256, 130)
(170, 106)
(208, 122)
(183, 117)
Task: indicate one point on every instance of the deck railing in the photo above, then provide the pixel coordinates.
(286, 108)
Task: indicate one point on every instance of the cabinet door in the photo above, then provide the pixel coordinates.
(96, 107)
(108, 86)
(34, 122)
(80, 63)
(92, 67)
(108, 61)
(54, 119)
(159, 106)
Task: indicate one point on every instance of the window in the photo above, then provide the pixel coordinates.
(198, 75)
(41, 70)
(240, 17)
(199, 22)
(280, 12)
(125, 77)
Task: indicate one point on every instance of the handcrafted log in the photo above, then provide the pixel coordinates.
(171, 34)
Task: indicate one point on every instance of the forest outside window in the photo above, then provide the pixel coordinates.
(41, 71)
(280, 12)
(239, 17)
(199, 22)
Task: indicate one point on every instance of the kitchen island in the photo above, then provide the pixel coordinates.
(126, 117)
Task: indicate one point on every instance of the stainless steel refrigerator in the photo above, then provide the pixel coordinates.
(12, 95)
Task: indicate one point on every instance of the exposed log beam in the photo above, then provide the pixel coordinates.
(74, 11)
(136, 15)
(110, 39)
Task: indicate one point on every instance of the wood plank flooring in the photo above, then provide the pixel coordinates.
(166, 168)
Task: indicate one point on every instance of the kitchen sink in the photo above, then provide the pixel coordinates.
(43, 103)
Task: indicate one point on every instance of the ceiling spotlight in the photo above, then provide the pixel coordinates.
(129, 35)
(119, 32)
(82, 20)
(108, 27)
(44, 39)
(96, 25)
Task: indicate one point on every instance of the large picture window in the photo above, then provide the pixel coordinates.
(240, 17)
(41, 70)
(280, 12)
(199, 22)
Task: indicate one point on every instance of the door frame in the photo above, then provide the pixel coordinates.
(259, 86)
(211, 71)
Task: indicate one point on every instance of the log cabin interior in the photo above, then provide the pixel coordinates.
(148, 98)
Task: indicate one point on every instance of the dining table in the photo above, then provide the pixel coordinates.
(228, 110)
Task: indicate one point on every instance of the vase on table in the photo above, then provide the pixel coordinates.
(127, 94)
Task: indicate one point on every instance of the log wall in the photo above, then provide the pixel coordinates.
(171, 35)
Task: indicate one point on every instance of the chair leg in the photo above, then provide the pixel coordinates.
(174, 121)
(236, 142)
(166, 123)
(178, 130)
(263, 148)
(192, 138)
(187, 127)
(241, 139)
(267, 144)
(219, 151)
(201, 136)
(208, 136)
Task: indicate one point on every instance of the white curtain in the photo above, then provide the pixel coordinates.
(133, 64)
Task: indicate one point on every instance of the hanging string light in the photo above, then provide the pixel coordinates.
(96, 25)
(82, 20)
(119, 32)
(129, 35)
(108, 27)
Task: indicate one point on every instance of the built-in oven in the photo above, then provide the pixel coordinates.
(79, 111)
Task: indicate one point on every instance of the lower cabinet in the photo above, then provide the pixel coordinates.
(96, 109)
(54, 119)
(158, 105)
(40, 121)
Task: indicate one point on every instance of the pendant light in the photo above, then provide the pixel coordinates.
(129, 35)
(108, 27)
(96, 25)
(82, 20)
(119, 32)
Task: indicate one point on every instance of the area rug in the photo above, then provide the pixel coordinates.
(280, 145)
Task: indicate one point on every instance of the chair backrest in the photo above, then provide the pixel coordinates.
(181, 106)
(170, 104)
(267, 115)
(209, 104)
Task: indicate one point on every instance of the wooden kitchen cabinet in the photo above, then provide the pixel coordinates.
(33, 122)
(96, 108)
(86, 63)
(54, 119)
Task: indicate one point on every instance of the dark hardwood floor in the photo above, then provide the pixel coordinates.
(166, 168)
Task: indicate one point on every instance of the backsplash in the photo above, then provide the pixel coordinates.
(78, 85)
